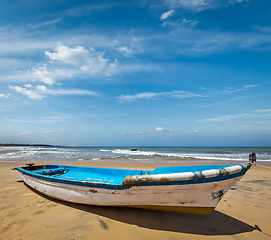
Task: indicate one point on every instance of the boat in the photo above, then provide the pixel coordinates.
(188, 189)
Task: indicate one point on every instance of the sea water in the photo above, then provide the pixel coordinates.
(135, 154)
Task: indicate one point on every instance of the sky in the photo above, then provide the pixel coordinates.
(136, 73)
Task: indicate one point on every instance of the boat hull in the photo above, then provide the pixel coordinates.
(201, 198)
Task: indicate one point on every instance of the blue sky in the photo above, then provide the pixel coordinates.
(153, 73)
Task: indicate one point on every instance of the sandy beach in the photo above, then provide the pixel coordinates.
(243, 213)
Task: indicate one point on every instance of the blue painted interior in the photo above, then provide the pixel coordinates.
(96, 175)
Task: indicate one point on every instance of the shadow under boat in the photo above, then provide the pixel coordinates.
(216, 223)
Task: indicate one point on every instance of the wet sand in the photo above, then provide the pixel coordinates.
(243, 213)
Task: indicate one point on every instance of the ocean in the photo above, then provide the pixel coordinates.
(135, 154)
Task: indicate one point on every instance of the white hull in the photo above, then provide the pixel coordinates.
(197, 198)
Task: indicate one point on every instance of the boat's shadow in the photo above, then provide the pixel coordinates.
(216, 223)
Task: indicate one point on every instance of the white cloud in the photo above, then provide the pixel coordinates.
(196, 131)
(42, 91)
(262, 110)
(200, 5)
(14, 120)
(49, 76)
(190, 22)
(262, 113)
(42, 88)
(225, 118)
(166, 14)
(193, 5)
(2, 95)
(29, 93)
(186, 94)
(185, 41)
(24, 133)
(34, 42)
(178, 23)
(112, 68)
(127, 52)
(72, 91)
(145, 95)
(264, 29)
(234, 89)
(149, 95)
(160, 129)
(88, 61)
(43, 75)
(237, 1)
(28, 85)
(42, 24)
(48, 132)
(134, 46)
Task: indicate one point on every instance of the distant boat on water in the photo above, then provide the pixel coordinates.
(187, 189)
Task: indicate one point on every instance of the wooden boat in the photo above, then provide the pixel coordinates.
(188, 189)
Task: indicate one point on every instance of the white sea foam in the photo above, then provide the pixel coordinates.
(203, 156)
(150, 154)
(136, 153)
